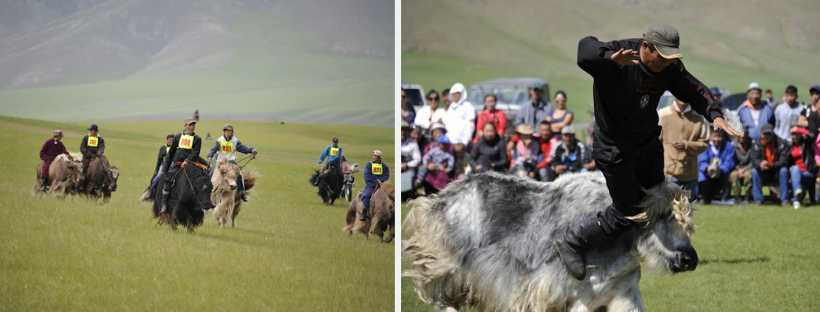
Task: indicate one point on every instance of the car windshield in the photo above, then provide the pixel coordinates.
(506, 95)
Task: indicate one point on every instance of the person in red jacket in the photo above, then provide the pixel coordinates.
(490, 114)
(50, 150)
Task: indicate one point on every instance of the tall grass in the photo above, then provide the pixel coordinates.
(287, 252)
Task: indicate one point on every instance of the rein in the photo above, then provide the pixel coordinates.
(250, 157)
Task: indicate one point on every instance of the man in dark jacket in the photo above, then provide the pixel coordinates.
(629, 77)
(571, 156)
(91, 146)
(163, 151)
(489, 153)
(50, 150)
(184, 148)
(770, 162)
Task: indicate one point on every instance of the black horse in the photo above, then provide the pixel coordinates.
(330, 183)
(190, 196)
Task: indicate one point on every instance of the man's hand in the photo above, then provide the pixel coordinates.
(764, 165)
(626, 57)
(590, 166)
(403, 167)
(722, 124)
(442, 168)
(155, 172)
(559, 169)
(532, 174)
(431, 166)
(254, 151)
(678, 145)
(209, 160)
(478, 167)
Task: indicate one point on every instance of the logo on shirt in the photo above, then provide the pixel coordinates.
(644, 101)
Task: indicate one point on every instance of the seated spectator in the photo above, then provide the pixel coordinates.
(437, 130)
(462, 161)
(489, 153)
(561, 116)
(715, 164)
(431, 113)
(741, 177)
(802, 166)
(490, 114)
(770, 163)
(548, 143)
(437, 167)
(417, 136)
(408, 112)
(571, 156)
(410, 160)
(526, 153)
(753, 114)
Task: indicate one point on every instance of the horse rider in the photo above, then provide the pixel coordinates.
(163, 151)
(333, 153)
(184, 149)
(225, 147)
(374, 171)
(629, 77)
(91, 146)
(50, 150)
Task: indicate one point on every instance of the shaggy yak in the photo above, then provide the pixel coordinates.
(101, 178)
(487, 242)
(65, 176)
(225, 195)
(188, 199)
(382, 213)
(330, 184)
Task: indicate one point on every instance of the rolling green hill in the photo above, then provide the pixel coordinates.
(725, 43)
(287, 252)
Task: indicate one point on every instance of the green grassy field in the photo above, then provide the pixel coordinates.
(287, 252)
(751, 259)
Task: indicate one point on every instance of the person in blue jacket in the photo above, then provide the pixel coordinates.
(333, 153)
(374, 171)
(715, 178)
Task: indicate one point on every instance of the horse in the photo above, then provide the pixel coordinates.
(225, 194)
(330, 184)
(188, 199)
(65, 175)
(382, 213)
(475, 244)
(101, 178)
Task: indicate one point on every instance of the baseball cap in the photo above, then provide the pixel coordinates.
(190, 120)
(568, 130)
(665, 38)
(715, 91)
(754, 85)
(227, 127)
(539, 86)
(377, 153)
(767, 128)
(93, 127)
(335, 140)
(58, 133)
(814, 89)
(443, 139)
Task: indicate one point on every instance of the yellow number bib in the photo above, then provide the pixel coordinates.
(376, 168)
(93, 141)
(226, 147)
(186, 141)
(334, 151)
(167, 148)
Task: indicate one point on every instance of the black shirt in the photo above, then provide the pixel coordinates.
(162, 151)
(177, 154)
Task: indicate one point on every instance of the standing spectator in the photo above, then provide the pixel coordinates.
(430, 113)
(814, 116)
(50, 150)
(802, 164)
(548, 144)
(537, 110)
(715, 165)
(408, 113)
(445, 98)
(490, 114)
(684, 135)
(196, 114)
(571, 156)
(489, 153)
(741, 177)
(437, 167)
(460, 117)
(753, 114)
(770, 161)
(526, 153)
(788, 114)
(769, 100)
(462, 161)
(91, 146)
(410, 160)
(561, 116)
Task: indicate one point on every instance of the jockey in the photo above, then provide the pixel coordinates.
(50, 150)
(163, 151)
(184, 148)
(225, 147)
(333, 153)
(91, 146)
(374, 171)
(629, 77)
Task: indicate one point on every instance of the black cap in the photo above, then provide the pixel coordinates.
(665, 38)
(93, 127)
(767, 128)
(335, 140)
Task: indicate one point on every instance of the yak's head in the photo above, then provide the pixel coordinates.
(203, 194)
(111, 178)
(666, 242)
(225, 175)
(75, 174)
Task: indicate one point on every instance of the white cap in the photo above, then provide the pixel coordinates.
(377, 153)
(568, 130)
(753, 85)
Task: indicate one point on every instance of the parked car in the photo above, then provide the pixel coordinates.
(511, 93)
(415, 95)
(667, 99)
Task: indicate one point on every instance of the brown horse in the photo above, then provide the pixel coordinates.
(225, 194)
(382, 213)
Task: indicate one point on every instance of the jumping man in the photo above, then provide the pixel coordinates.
(629, 77)
(374, 171)
(225, 147)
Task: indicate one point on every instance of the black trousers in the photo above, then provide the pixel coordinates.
(627, 172)
(710, 187)
(169, 176)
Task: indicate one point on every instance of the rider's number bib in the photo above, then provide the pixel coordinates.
(186, 141)
(376, 168)
(93, 141)
(334, 151)
(226, 147)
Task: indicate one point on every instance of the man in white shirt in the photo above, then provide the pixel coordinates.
(788, 114)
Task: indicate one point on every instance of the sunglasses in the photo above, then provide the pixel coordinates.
(432, 99)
